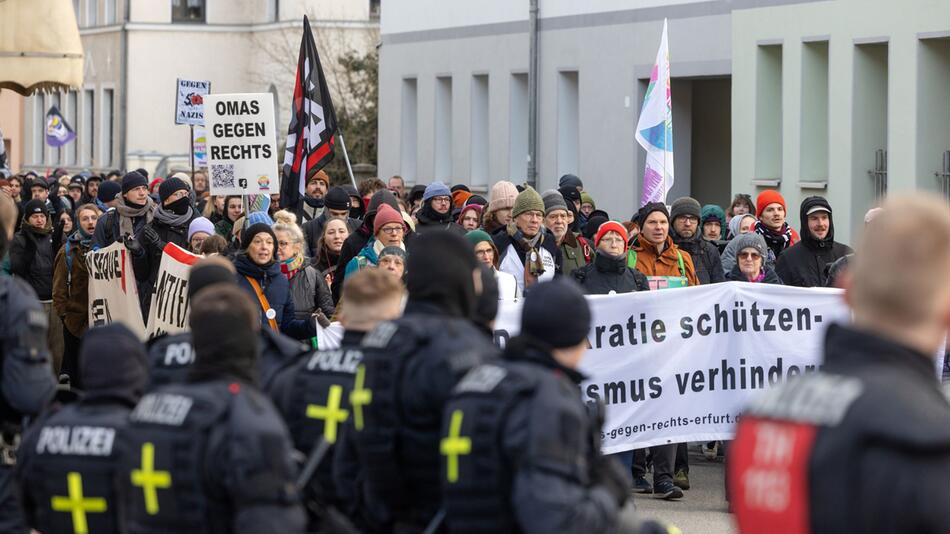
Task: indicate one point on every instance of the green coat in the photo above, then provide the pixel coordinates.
(573, 250)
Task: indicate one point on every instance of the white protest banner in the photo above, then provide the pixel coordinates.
(679, 365)
(168, 313)
(113, 295)
(189, 100)
(242, 144)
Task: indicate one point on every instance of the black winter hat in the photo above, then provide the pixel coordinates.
(132, 180)
(142, 171)
(383, 196)
(476, 199)
(169, 187)
(108, 191)
(570, 193)
(208, 274)
(76, 181)
(112, 361)
(646, 210)
(685, 206)
(337, 199)
(460, 187)
(248, 235)
(593, 223)
(440, 272)
(416, 192)
(33, 207)
(570, 180)
(556, 314)
(94, 178)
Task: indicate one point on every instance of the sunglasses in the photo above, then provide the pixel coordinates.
(749, 255)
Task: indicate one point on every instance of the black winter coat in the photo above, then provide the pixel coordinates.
(705, 257)
(147, 264)
(805, 263)
(351, 248)
(606, 274)
(31, 258)
(735, 275)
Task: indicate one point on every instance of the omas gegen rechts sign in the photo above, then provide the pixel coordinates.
(242, 144)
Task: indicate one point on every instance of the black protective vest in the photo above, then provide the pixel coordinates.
(23, 328)
(476, 474)
(169, 358)
(71, 477)
(170, 432)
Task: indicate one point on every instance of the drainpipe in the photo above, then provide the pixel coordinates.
(533, 93)
(124, 87)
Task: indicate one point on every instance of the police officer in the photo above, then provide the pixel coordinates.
(68, 461)
(863, 446)
(171, 355)
(212, 455)
(317, 395)
(27, 382)
(520, 449)
(411, 365)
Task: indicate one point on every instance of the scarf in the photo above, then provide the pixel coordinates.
(290, 266)
(533, 268)
(378, 247)
(81, 237)
(777, 241)
(128, 211)
(759, 278)
(168, 214)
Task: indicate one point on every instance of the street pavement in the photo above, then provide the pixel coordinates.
(703, 508)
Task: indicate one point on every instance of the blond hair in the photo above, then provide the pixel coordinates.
(369, 295)
(285, 217)
(901, 264)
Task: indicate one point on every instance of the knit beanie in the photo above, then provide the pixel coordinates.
(570, 180)
(33, 207)
(113, 360)
(459, 196)
(393, 251)
(593, 224)
(750, 240)
(205, 274)
(769, 196)
(527, 200)
(712, 212)
(320, 175)
(553, 201)
(337, 199)
(436, 189)
(649, 208)
(476, 199)
(685, 206)
(570, 194)
(416, 192)
(252, 230)
(478, 236)
(184, 178)
(556, 314)
(587, 199)
(610, 226)
(108, 191)
(502, 196)
(200, 224)
(169, 187)
(439, 272)
(259, 217)
(385, 214)
(132, 180)
(460, 187)
(471, 207)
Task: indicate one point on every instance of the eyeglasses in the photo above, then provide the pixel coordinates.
(445, 200)
(284, 243)
(486, 252)
(612, 240)
(392, 230)
(749, 255)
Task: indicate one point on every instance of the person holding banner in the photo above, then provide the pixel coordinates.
(863, 445)
(259, 274)
(134, 210)
(609, 273)
(751, 266)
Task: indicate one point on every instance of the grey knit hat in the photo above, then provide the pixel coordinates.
(553, 200)
(685, 206)
(750, 240)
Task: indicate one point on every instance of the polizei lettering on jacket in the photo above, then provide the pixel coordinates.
(339, 361)
(76, 440)
(162, 409)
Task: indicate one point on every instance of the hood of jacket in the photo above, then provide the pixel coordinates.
(807, 238)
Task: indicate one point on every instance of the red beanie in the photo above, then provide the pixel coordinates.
(769, 196)
(385, 214)
(610, 226)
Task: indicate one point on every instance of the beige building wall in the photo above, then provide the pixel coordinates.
(818, 88)
(11, 123)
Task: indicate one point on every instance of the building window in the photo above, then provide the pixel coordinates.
(374, 9)
(107, 126)
(92, 12)
(408, 130)
(188, 11)
(109, 16)
(443, 128)
(87, 139)
(518, 128)
(478, 171)
(768, 113)
(568, 119)
(273, 10)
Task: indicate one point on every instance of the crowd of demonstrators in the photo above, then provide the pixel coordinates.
(350, 254)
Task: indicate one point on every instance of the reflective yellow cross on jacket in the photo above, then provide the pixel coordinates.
(359, 397)
(331, 414)
(454, 445)
(149, 479)
(77, 504)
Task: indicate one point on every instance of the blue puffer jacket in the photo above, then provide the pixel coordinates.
(276, 289)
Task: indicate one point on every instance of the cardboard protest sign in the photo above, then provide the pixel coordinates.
(113, 294)
(680, 365)
(189, 101)
(168, 313)
(242, 144)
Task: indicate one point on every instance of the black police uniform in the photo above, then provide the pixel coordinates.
(212, 456)
(26, 381)
(411, 365)
(861, 447)
(521, 451)
(316, 396)
(170, 356)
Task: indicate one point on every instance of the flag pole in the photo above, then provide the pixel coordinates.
(346, 157)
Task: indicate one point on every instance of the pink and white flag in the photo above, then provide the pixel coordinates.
(655, 128)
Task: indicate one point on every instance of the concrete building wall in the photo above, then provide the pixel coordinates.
(854, 76)
(11, 123)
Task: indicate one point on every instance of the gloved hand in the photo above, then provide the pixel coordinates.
(150, 237)
(608, 472)
(133, 245)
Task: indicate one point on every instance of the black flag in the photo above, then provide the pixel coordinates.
(310, 136)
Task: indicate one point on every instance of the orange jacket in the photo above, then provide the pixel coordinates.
(651, 263)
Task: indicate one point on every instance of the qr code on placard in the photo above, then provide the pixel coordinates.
(222, 175)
